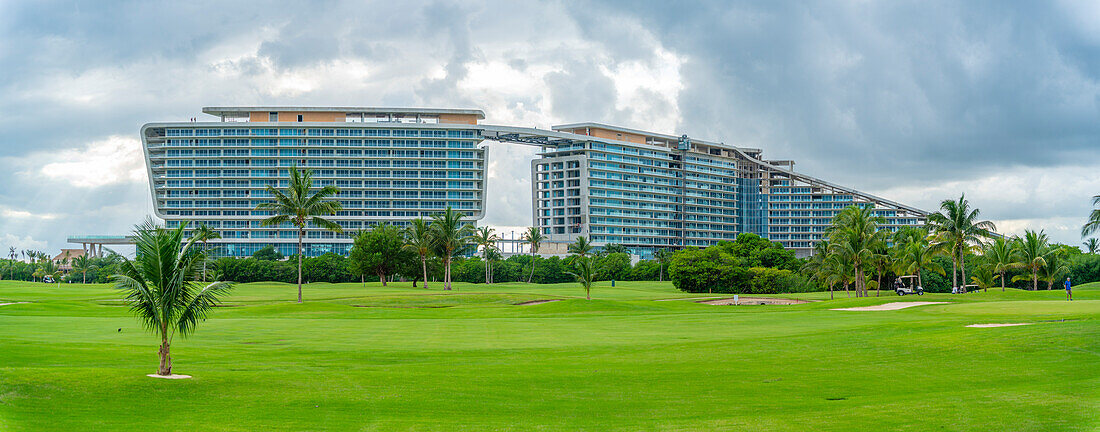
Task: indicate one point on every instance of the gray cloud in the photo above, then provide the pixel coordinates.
(914, 100)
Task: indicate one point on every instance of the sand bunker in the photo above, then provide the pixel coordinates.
(998, 325)
(13, 303)
(746, 301)
(536, 302)
(172, 376)
(889, 306)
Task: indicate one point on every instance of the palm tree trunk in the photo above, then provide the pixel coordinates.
(165, 368)
(84, 277)
(962, 268)
(424, 266)
(846, 293)
(954, 271)
(1035, 281)
(301, 232)
(531, 276)
(1002, 281)
(830, 291)
(446, 274)
(878, 283)
(204, 261)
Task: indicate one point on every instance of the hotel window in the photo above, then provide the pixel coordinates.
(272, 116)
(299, 118)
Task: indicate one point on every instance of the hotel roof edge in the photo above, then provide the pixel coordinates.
(219, 110)
(635, 131)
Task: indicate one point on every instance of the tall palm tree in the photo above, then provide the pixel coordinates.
(533, 237)
(957, 228)
(11, 265)
(299, 206)
(451, 235)
(983, 277)
(418, 238)
(1092, 245)
(487, 240)
(1001, 256)
(1031, 253)
(161, 289)
(855, 235)
(585, 272)
(83, 264)
(204, 234)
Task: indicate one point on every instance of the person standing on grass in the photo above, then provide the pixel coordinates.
(1069, 291)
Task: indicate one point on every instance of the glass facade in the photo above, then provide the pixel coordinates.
(642, 190)
(393, 173)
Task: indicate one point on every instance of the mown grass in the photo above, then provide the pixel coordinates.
(364, 357)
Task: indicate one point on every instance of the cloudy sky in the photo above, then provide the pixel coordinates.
(917, 101)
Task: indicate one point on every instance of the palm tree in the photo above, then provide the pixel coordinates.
(1031, 253)
(533, 237)
(1092, 245)
(204, 234)
(11, 265)
(1000, 255)
(957, 227)
(585, 273)
(83, 264)
(1054, 268)
(160, 285)
(1093, 224)
(494, 256)
(580, 247)
(418, 238)
(916, 257)
(662, 256)
(983, 277)
(817, 266)
(299, 207)
(855, 235)
(450, 236)
(486, 239)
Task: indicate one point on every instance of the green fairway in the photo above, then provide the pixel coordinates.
(368, 358)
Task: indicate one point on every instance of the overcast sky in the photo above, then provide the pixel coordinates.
(916, 101)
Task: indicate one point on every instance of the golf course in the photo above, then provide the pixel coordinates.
(640, 356)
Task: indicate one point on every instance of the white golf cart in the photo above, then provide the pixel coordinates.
(908, 286)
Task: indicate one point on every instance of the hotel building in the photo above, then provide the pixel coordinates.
(640, 189)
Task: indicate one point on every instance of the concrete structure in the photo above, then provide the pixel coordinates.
(641, 189)
(64, 260)
(93, 244)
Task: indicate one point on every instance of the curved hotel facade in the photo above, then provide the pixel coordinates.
(640, 189)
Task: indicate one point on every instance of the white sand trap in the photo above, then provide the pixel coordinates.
(536, 302)
(172, 376)
(747, 301)
(5, 304)
(998, 325)
(889, 306)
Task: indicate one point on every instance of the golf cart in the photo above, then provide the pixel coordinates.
(972, 288)
(908, 286)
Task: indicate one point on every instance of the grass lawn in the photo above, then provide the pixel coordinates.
(367, 358)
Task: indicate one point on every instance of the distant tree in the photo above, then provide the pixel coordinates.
(533, 237)
(204, 234)
(83, 264)
(614, 266)
(485, 238)
(160, 286)
(584, 269)
(266, 253)
(1055, 267)
(612, 248)
(957, 228)
(855, 234)
(450, 236)
(299, 206)
(662, 256)
(581, 247)
(1092, 245)
(379, 251)
(418, 238)
(1031, 254)
(1001, 257)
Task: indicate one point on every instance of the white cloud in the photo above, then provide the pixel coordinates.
(20, 244)
(11, 213)
(116, 159)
